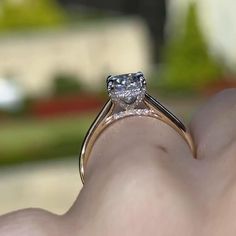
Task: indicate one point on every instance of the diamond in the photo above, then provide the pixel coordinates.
(131, 112)
(127, 90)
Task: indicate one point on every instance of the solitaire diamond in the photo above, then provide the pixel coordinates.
(127, 90)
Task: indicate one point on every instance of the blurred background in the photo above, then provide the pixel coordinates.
(54, 58)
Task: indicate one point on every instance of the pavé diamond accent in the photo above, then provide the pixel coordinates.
(127, 90)
(133, 112)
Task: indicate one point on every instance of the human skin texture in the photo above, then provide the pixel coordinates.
(142, 179)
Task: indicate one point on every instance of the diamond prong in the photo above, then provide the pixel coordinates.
(127, 90)
(140, 73)
(108, 77)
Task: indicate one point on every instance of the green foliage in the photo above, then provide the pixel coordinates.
(188, 66)
(65, 84)
(28, 14)
(30, 140)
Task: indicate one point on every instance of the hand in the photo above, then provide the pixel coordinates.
(142, 179)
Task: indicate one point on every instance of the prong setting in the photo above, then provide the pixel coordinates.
(127, 90)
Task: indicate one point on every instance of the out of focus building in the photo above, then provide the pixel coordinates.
(90, 53)
(153, 12)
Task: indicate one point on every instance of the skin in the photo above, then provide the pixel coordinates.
(142, 179)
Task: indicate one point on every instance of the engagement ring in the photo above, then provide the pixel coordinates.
(128, 97)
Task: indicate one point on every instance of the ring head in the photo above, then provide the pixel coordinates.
(127, 90)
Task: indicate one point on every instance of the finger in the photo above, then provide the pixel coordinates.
(135, 163)
(132, 134)
(213, 126)
(31, 222)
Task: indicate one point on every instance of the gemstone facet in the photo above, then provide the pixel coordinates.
(127, 90)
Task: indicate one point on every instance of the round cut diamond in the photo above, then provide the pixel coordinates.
(127, 90)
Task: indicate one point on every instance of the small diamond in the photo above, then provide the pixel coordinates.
(131, 112)
(127, 90)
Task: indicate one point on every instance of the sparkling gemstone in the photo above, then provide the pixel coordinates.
(127, 90)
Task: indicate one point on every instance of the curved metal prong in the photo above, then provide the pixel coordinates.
(105, 112)
(165, 111)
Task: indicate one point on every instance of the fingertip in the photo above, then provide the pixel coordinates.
(213, 125)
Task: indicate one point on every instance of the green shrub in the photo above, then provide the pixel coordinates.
(27, 14)
(30, 140)
(66, 84)
(188, 66)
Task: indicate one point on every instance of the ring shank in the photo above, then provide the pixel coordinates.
(104, 119)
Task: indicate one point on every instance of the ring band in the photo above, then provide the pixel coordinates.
(128, 97)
